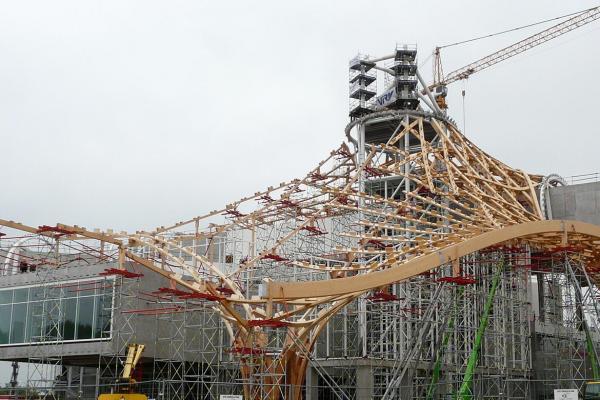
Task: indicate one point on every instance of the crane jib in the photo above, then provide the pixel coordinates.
(557, 30)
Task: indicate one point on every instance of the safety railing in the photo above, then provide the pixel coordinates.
(583, 178)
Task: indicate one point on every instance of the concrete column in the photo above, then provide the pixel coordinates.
(81, 378)
(97, 387)
(69, 383)
(364, 383)
(312, 383)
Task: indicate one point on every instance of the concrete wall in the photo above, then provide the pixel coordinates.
(576, 202)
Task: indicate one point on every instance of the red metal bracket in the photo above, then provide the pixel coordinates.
(272, 323)
(55, 229)
(122, 272)
(314, 231)
(459, 280)
(233, 213)
(274, 257)
(379, 297)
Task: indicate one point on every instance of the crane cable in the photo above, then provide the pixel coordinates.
(514, 29)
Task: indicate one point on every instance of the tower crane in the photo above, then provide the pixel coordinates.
(440, 81)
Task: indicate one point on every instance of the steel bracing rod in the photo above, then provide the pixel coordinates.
(414, 347)
(465, 391)
(532, 41)
(592, 353)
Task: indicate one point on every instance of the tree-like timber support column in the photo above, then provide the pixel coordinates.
(296, 365)
(465, 391)
(299, 344)
(269, 375)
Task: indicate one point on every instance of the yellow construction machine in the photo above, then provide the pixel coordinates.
(134, 353)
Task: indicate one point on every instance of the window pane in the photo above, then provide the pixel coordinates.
(85, 318)
(37, 293)
(103, 314)
(4, 323)
(69, 310)
(20, 295)
(19, 316)
(35, 313)
(6, 296)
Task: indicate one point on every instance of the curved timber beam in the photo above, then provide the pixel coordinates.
(404, 270)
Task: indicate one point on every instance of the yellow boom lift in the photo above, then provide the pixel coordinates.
(134, 353)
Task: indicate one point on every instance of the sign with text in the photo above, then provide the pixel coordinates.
(387, 98)
(566, 394)
(230, 397)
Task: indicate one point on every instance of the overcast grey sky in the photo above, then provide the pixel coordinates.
(134, 114)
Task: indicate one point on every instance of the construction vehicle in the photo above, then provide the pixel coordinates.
(591, 390)
(134, 353)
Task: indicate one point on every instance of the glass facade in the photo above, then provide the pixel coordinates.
(70, 310)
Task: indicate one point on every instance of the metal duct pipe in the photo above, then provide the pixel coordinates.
(545, 193)
(425, 100)
(426, 88)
